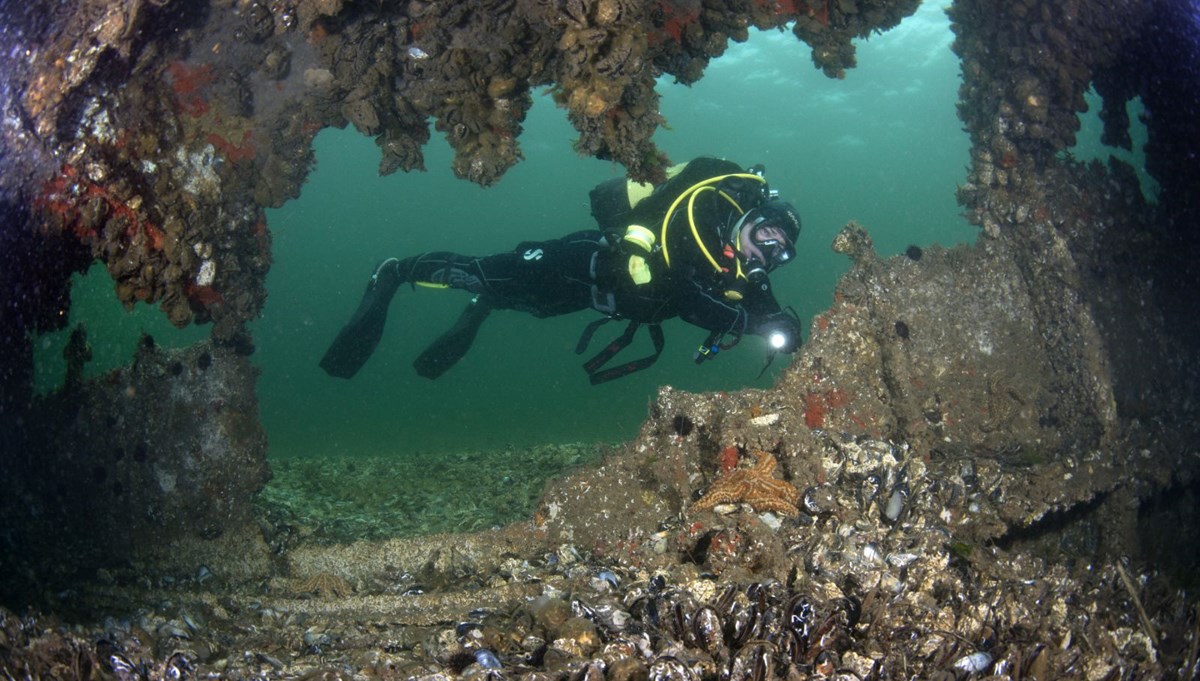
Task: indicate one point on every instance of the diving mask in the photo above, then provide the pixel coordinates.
(768, 233)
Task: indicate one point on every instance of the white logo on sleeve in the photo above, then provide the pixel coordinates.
(533, 254)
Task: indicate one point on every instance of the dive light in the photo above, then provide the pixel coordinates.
(782, 333)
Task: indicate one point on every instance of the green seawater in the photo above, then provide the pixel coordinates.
(883, 147)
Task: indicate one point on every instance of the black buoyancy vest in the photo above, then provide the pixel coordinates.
(613, 211)
(619, 203)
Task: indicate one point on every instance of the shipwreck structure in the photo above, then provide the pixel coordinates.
(992, 449)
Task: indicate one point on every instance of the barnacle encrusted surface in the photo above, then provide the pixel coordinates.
(964, 507)
(1008, 487)
(151, 136)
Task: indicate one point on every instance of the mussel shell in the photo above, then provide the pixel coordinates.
(801, 617)
(741, 625)
(487, 659)
(872, 485)
(975, 663)
(755, 661)
(608, 577)
(114, 660)
(468, 630)
(826, 663)
(896, 504)
(707, 629)
(670, 668)
(610, 617)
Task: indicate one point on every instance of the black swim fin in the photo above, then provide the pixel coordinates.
(359, 337)
(450, 347)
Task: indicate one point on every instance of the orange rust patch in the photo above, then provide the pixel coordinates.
(155, 235)
(818, 403)
(204, 295)
(65, 194)
(814, 410)
(234, 152)
(676, 19)
(189, 83)
(820, 13)
(728, 459)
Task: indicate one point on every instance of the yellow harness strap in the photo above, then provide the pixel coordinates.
(691, 193)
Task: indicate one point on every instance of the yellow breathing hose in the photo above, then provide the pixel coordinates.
(691, 193)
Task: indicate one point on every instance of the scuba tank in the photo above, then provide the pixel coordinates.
(613, 201)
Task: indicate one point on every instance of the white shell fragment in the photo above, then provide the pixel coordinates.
(765, 420)
(207, 273)
(974, 663)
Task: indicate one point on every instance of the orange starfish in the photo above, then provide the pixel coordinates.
(754, 486)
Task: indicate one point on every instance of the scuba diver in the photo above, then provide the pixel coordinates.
(699, 247)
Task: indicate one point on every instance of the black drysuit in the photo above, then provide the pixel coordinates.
(589, 269)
